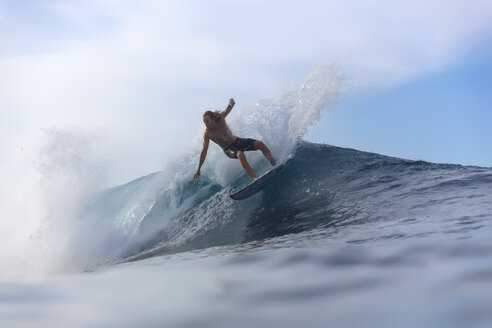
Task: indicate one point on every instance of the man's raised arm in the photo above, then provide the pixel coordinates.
(206, 141)
(228, 109)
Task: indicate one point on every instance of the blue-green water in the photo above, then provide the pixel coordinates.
(340, 238)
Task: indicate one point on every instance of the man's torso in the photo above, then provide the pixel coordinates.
(221, 134)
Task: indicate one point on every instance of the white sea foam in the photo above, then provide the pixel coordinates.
(51, 178)
(44, 186)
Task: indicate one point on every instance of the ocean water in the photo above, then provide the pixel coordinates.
(339, 238)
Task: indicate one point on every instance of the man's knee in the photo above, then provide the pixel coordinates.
(259, 144)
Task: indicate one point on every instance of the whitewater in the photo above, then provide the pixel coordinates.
(340, 237)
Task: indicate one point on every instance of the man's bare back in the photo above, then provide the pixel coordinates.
(219, 132)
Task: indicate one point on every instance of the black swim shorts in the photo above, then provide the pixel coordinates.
(242, 144)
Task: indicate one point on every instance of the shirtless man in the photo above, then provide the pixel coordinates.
(234, 147)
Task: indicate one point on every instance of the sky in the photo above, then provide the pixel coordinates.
(136, 76)
(442, 117)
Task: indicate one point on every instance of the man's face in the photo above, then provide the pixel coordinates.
(207, 120)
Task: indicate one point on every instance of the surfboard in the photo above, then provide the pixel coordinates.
(256, 185)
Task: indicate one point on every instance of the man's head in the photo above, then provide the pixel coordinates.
(210, 118)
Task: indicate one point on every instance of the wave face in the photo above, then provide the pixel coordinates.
(321, 187)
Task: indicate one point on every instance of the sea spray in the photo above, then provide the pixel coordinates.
(184, 211)
(278, 121)
(63, 221)
(50, 177)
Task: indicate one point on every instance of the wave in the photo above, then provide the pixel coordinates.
(66, 225)
(321, 186)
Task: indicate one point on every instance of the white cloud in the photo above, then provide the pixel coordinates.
(146, 68)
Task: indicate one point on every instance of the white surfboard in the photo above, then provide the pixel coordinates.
(256, 185)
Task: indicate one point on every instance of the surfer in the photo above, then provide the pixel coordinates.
(218, 131)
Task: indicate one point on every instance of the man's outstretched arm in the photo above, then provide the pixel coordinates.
(203, 155)
(228, 109)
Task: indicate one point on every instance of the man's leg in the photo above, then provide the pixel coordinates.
(264, 149)
(242, 158)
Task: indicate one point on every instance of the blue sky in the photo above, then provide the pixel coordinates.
(443, 117)
(418, 73)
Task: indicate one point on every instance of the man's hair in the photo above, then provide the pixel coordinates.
(213, 115)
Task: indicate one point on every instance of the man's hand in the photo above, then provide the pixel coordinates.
(197, 174)
(228, 109)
